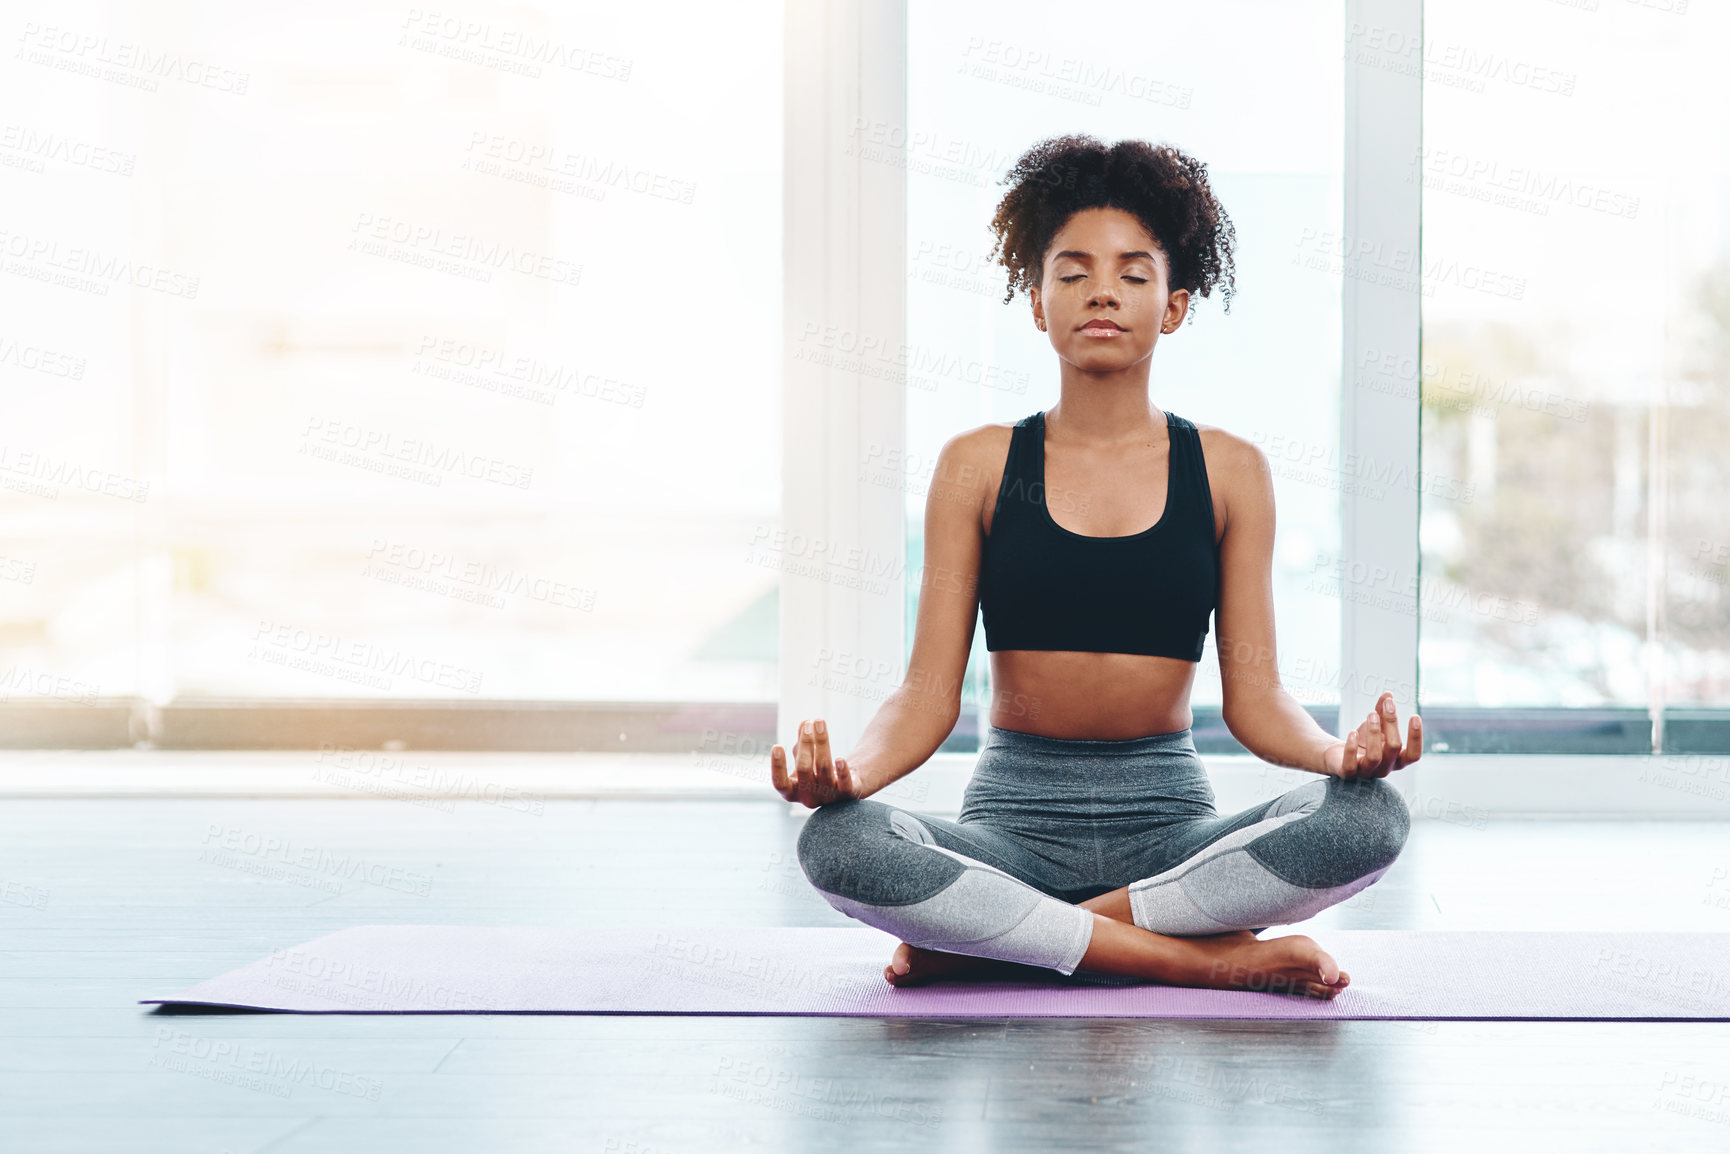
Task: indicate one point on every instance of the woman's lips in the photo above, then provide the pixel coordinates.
(1103, 331)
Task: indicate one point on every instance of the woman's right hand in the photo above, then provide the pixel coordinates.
(814, 778)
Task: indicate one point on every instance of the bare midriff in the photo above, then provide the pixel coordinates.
(1095, 696)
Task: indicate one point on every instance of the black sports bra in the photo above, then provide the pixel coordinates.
(1044, 587)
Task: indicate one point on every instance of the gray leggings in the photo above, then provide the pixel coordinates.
(1047, 822)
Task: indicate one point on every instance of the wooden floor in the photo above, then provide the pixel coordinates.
(103, 902)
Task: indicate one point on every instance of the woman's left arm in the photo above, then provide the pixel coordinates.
(1257, 710)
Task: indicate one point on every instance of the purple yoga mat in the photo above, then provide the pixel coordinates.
(839, 971)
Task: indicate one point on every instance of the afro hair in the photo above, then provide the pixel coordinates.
(1161, 186)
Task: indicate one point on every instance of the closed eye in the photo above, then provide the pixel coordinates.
(1078, 276)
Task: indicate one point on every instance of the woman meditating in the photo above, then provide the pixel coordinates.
(1101, 534)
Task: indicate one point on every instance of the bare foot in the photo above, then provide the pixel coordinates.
(1289, 965)
(912, 966)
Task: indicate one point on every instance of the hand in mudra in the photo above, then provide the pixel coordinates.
(814, 778)
(1373, 749)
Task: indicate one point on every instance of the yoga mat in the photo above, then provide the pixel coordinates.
(1407, 974)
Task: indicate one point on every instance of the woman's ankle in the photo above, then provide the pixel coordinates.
(1127, 950)
(1114, 905)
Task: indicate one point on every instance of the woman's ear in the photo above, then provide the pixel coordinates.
(1038, 309)
(1180, 299)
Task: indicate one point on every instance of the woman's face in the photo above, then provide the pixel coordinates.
(1102, 293)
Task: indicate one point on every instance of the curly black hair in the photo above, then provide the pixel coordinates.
(1163, 187)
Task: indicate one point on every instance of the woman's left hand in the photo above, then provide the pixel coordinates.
(1373, 749)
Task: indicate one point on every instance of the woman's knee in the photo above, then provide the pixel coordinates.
(828, 837)
(1359, 828)
(851, 848)
(1373, 809)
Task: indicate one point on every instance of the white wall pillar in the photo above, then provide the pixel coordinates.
(1381, 373)
(844, 327)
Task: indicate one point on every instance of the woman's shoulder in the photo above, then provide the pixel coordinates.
(1225, 444)
(1238, 472)
(973, 462)
(984, 444)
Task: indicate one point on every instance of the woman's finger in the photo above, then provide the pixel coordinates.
(1349, 759)
(825, 763)
(1414, 741)
(804, 759)
(1372, 740)
(1390, 719)
(778, 772)
(805, 773)
(843, 777)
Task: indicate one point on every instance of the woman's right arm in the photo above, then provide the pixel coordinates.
(915, 720)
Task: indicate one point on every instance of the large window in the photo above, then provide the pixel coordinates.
(367, 351)
(379, 356)
(1576, 365)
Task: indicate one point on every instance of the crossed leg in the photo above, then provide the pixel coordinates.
(948, 889)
